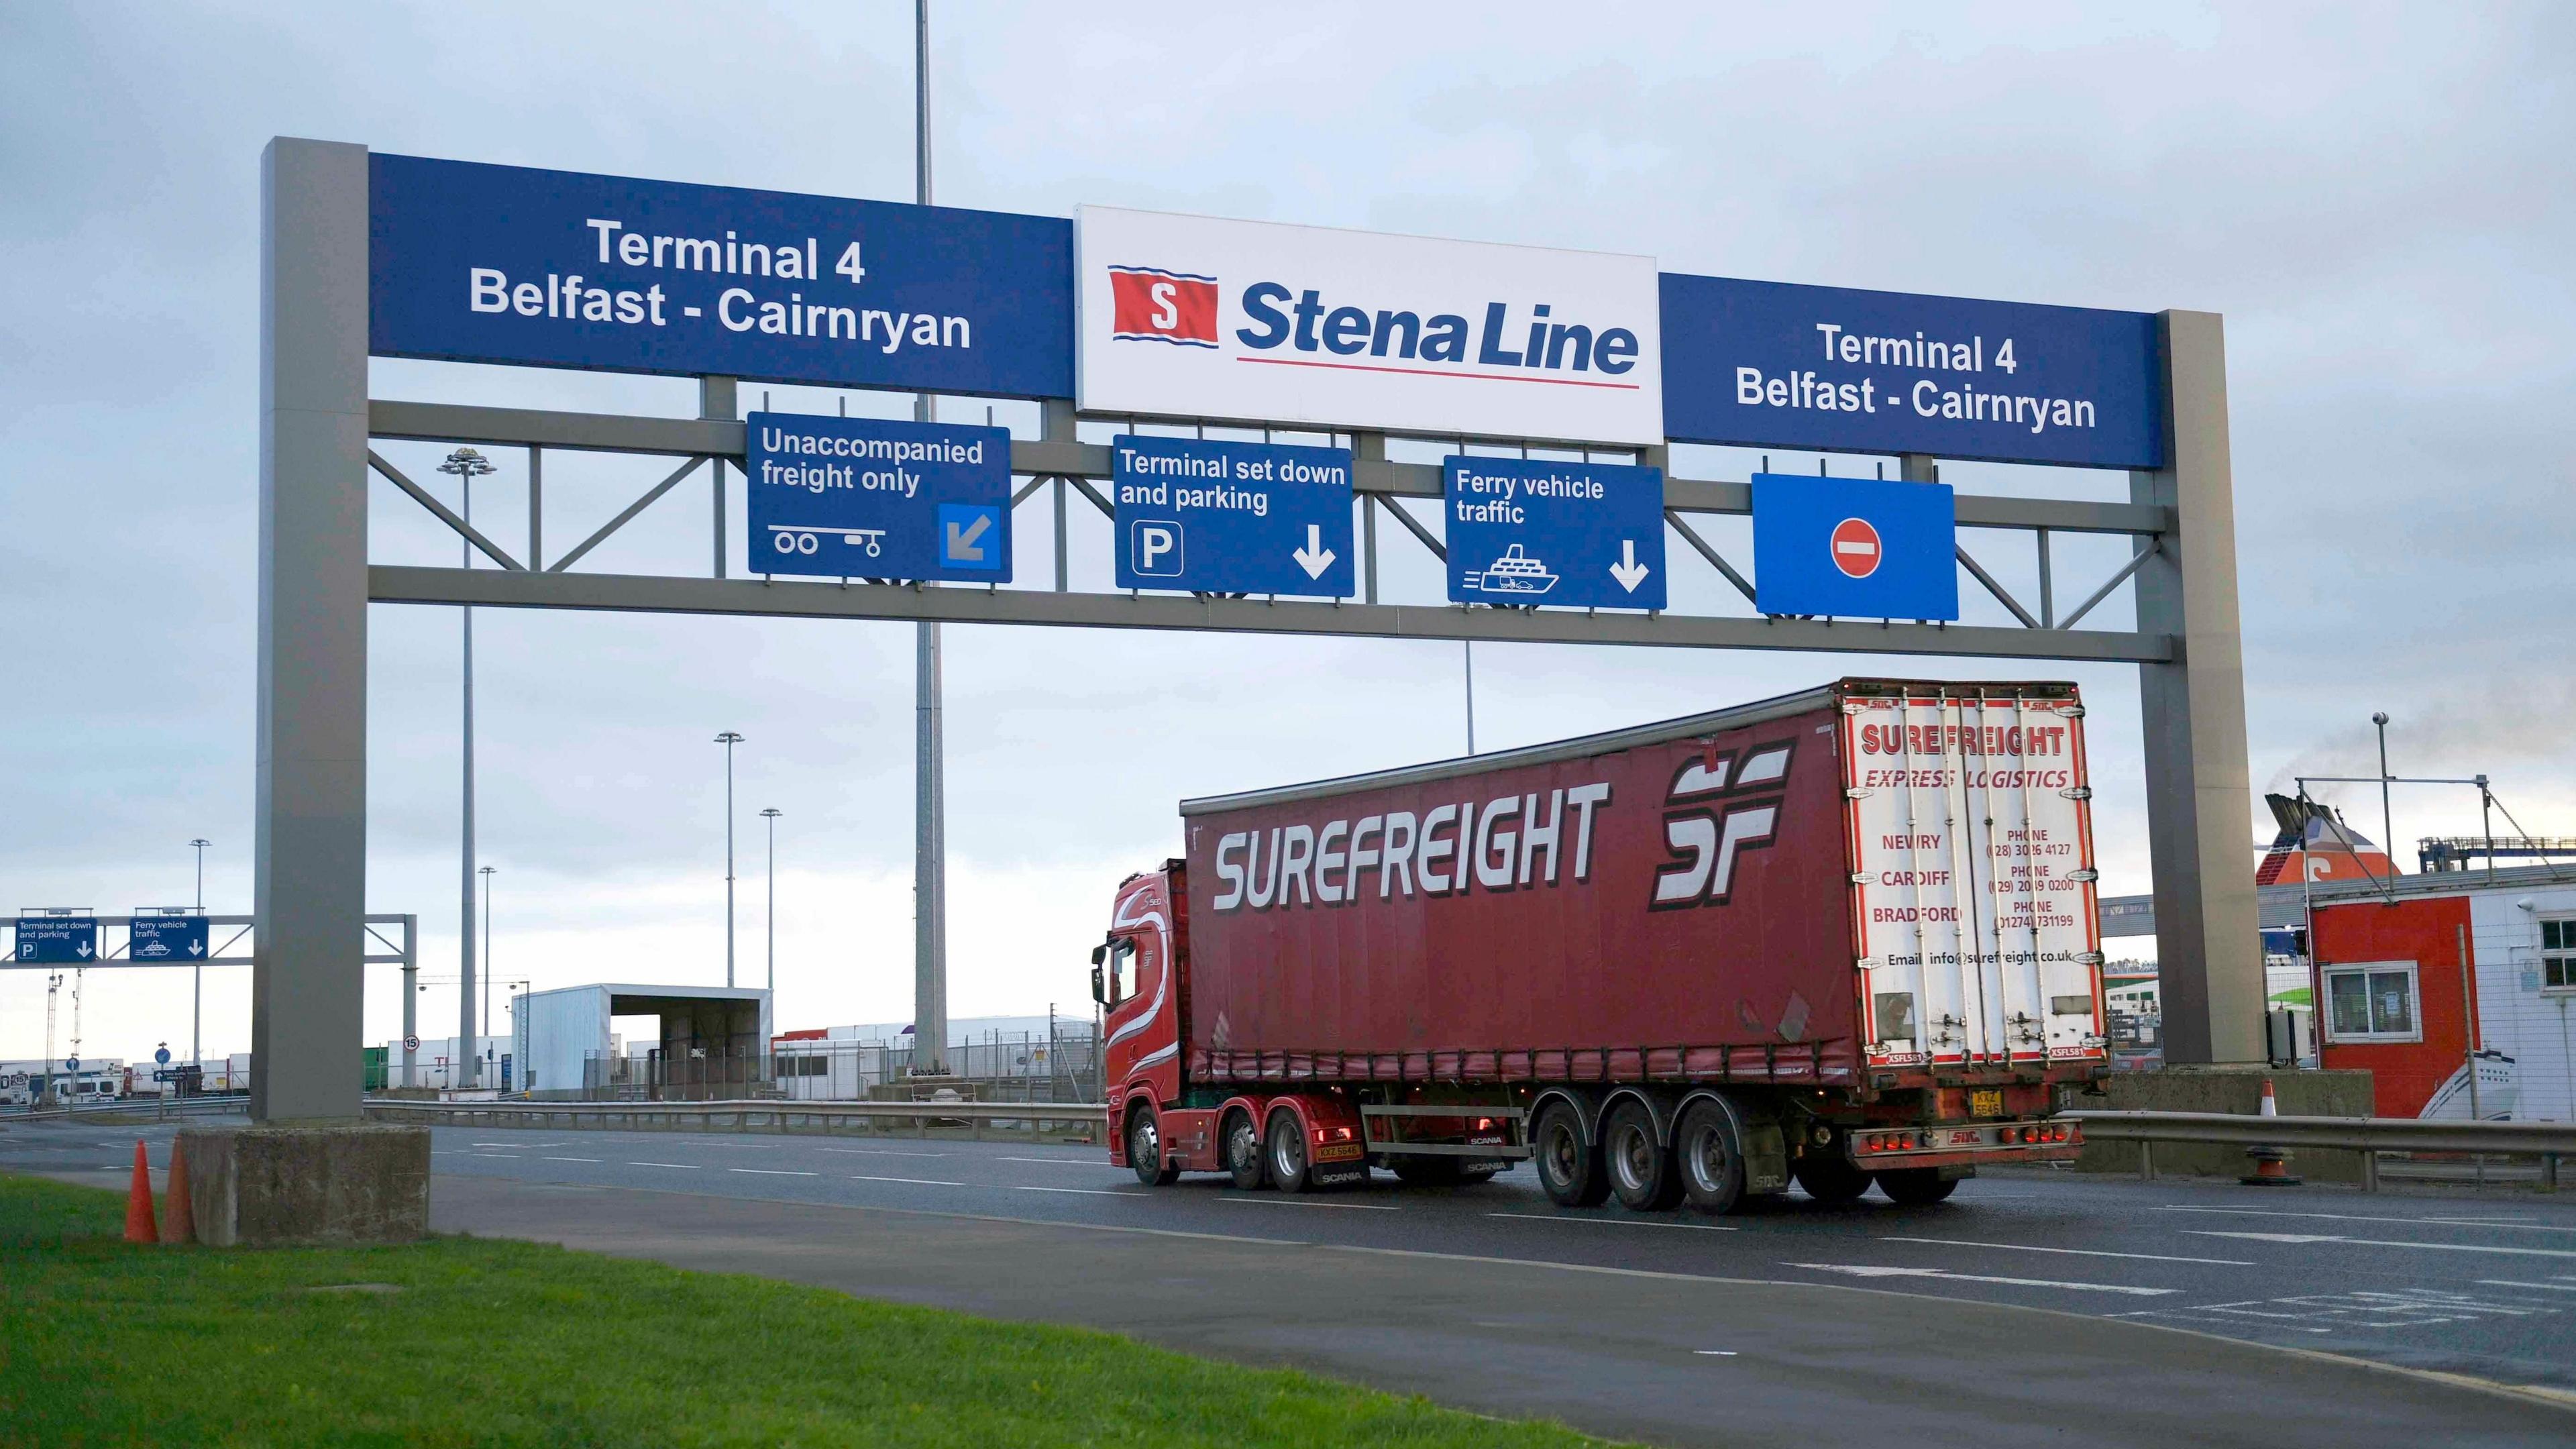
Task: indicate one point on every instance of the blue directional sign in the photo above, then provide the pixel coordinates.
(166, 938)
(872, 498)
(1232, 518)
(475, 263)
(57, 940)
(1585, 535)
(162, 1055)
(1854, 548)
(1777, 365)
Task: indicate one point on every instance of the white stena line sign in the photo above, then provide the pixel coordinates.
(1197, 317)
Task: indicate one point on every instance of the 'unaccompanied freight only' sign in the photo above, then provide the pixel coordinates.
(474, 263)
(1771, 364)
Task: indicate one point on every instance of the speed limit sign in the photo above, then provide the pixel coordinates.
(411, 1043)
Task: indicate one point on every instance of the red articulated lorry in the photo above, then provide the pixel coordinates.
(1838, 937)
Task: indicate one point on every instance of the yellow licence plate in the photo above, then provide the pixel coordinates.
(1337, 1152)
(1986, 1102)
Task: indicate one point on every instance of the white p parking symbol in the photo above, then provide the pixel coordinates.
(1154, 547)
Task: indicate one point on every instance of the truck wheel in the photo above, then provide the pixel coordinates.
(1916, 1186)
(1829, 1178)
(1641, 1171)
(1709, 1155)
(1145, 1149)
(1288, 1163)
(1569, 1167)
(1243, 1153)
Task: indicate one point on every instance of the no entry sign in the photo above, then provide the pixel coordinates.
(1855, 547)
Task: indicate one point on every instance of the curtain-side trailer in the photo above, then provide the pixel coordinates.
(1842, 937)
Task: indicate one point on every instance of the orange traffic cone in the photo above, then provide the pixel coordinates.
(179, 1218)
(138, 1201)
(2270, 1163)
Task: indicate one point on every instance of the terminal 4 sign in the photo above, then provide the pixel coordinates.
(1525, 532)
(1769, 364)
(502, 264)
(1232, 518)
(878, 499)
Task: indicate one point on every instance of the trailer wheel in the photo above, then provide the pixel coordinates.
(1709, 1156)
(1829, 1178)
(1288, 1161)
(1243, 1158)
(1569, 1166)
(1145, 1148)
(1641, 1171)
(1916, 1186)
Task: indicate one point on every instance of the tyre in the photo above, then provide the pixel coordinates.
(1708, 1157)
(1145, 1149)
(1289, 1166)
(1916, 1186)
(1831, 1178)
(1569, 1164)
(1244, 1160)
(1641, 1171)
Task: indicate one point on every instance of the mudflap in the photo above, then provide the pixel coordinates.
(1956, 1172)
(1766, 1159)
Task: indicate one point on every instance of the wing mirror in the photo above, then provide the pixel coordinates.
(1099, 988)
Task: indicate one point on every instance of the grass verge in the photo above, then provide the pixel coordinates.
(465, 1341)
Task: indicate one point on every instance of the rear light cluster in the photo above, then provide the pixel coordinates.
(1332, 1134)
(2045, 1132)
(1893, 1141)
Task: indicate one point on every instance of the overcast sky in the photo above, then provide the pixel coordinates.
(2376, 198)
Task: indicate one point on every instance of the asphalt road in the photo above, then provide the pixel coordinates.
(2022, 1310)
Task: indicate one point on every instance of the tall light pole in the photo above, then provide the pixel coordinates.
(729, 739)
(197, 986)
(2387, 824)
(930, 804)
(467, 465)
(771, 815)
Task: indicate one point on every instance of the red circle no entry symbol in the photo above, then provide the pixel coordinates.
(1855, 547)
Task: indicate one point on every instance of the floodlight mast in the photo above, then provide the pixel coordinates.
(466, 465)
(930, 802)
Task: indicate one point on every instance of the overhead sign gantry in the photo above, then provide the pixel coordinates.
(1351, 337)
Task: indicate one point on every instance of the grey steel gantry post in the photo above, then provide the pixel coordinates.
(2191, 709)
(310, 851)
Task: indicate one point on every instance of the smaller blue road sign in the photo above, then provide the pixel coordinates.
(166, 938)
(71, 1064)
(1524, 531)
(162, 1055)
(1854, 548)
(877, 499)
(57, 940)
(1232, 518)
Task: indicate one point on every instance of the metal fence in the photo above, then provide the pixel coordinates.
(1067, 1122)
(1002, 1067)
(2368, 1136)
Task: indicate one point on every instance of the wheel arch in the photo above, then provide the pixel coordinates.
(1587, 1111)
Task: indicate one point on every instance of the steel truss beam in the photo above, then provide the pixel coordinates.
(658, 593)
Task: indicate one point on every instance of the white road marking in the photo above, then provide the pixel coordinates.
(682, 1166)
(915, 1181)
(515, 1144)
(1099, 1162)
(878, 1152)
(2405, 1308)
(1090, 1191)
(1615, 1222)
(572, 1159)
(2517, 1283)
(1365, 1207)
(2383, 1243)
(1714, 1352)
(2365, 1218)
(1859, 1270)
(773, 1171)
(2078, 1252)
(504, 1156)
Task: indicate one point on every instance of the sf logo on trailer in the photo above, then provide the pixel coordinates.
(1154, 305)
(1715, 811)
(1856, 549)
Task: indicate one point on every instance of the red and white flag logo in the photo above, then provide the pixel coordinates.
(1154, 305)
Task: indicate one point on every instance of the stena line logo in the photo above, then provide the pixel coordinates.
(1149, 304)
(1504, 342)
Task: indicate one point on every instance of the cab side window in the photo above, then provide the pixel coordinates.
(1122, 972)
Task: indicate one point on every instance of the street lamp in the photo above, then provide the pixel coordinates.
(487, 949)
(729, 739)
(2387, 826)
(466, 465)
(771, 815)
(197, 986)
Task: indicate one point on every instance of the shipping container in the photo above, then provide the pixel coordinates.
(1842, 936)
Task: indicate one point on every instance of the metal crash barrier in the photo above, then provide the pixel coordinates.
(822, 1118)
(2368, 1136)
